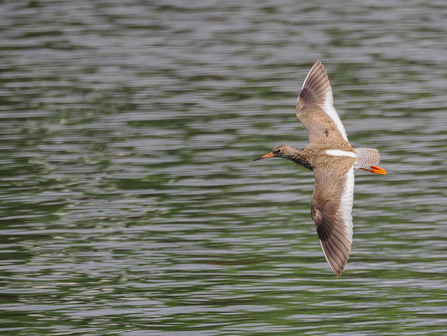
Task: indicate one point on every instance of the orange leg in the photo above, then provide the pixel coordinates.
(376, 170)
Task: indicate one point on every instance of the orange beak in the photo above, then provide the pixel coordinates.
(266, 156)
(376, 170)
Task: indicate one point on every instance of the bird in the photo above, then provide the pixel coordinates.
(333, 160)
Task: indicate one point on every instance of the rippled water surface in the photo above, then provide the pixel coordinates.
(129, 201)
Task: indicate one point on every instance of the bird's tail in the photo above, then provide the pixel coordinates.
(367, 157)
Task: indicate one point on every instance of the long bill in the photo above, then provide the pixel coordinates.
(266, 156)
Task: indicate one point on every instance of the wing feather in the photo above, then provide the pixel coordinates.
(331, 210)
(315, 107)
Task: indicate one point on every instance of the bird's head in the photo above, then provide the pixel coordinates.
(283, 151)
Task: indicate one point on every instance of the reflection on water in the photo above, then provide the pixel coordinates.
(129, 202)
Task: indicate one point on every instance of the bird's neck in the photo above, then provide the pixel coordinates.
(298, 156)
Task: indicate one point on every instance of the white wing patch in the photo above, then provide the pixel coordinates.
(337, 152)
(347, 201)
(328, 107)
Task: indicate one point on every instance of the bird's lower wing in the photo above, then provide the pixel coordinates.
(331, 210)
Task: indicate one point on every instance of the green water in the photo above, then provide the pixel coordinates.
(129, 202)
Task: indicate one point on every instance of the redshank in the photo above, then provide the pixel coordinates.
(332, 159)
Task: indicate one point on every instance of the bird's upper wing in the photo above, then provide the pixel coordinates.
(331, 210)
(315, 107)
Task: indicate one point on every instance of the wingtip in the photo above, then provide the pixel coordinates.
(315, 86)
(337, 273)
(336, 268)
(317, 64)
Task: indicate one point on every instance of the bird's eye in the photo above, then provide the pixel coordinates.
(277, 151)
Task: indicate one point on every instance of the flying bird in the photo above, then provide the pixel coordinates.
(332, 159)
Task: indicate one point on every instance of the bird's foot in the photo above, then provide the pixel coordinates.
(376, 170)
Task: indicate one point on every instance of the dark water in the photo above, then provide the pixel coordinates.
(130, 204)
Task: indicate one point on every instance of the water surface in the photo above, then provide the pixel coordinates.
(129, 202)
